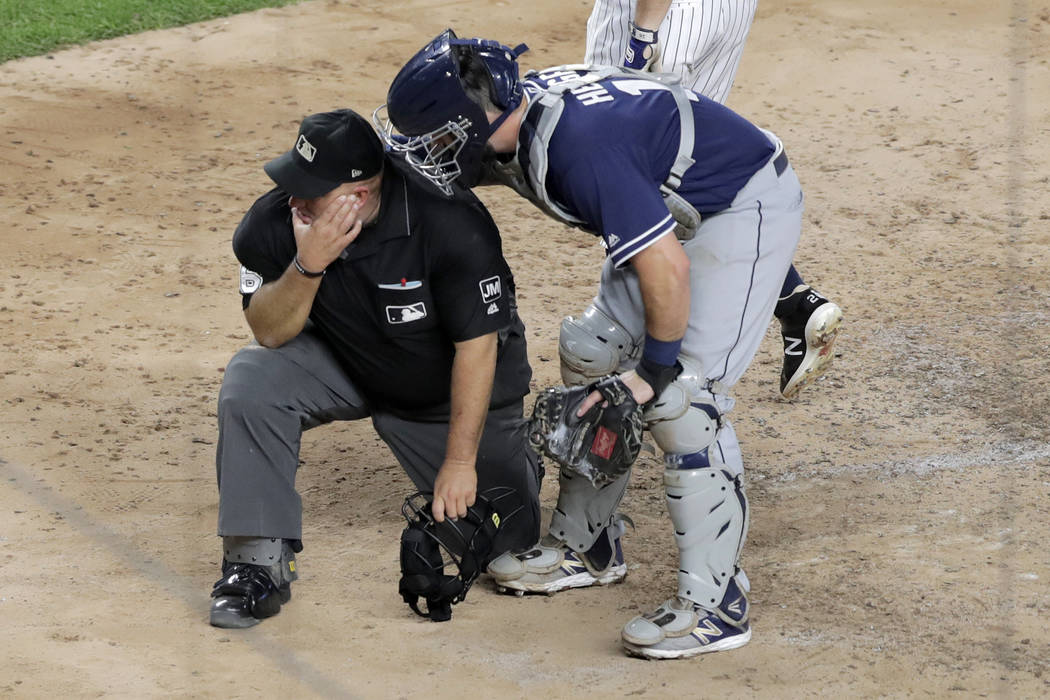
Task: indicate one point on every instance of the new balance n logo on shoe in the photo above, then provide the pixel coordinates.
(792, 347)
(572, 565)
(706, 631)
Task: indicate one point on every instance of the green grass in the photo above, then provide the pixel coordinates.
(33, 27)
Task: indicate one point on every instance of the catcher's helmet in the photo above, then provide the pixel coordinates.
(440, 561)
(443, 131)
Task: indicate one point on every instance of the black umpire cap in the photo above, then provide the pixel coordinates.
(332, 148)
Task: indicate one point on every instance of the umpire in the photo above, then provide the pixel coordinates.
(370, 294)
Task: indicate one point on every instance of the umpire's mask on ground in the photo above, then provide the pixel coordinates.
(443, 130)
(440, 561)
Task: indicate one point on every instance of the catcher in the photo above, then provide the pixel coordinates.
(699, 211)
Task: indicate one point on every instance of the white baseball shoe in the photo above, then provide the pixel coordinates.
(809, 331)
(551, 566)
(679, 628)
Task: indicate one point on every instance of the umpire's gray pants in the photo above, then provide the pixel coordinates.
(269, 396)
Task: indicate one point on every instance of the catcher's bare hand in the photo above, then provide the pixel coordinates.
(454, 490)
(320, 240)
(640, 390)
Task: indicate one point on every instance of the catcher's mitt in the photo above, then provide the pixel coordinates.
(600, 445)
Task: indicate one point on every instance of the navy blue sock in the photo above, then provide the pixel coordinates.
(792, 280)
(601, 552)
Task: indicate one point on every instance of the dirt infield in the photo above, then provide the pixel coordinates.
(900, 509)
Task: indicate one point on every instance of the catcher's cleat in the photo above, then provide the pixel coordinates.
(245, 595)
(809, 324)
(551, 566)
(679, 629)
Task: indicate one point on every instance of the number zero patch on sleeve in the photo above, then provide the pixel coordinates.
(250, 281)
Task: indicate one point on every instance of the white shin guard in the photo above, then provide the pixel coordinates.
(709, 511)
(583, 511)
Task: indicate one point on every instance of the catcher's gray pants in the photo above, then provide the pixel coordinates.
(738, 259)
(270, 396)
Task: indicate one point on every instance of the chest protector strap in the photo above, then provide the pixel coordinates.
(549, 105)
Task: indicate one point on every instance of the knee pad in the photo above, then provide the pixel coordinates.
(710, 515)
(681, 422)
(582, 511)
(591, 346)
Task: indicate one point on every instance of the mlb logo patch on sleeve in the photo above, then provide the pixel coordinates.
(491, 289)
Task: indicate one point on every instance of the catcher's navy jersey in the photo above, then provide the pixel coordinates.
(614, 146)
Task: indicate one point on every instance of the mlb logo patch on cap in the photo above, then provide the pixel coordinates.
(332, 148)
(306, 149)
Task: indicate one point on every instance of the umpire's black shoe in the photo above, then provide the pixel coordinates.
(245, 595)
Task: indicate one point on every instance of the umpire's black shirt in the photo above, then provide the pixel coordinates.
(427, 273)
